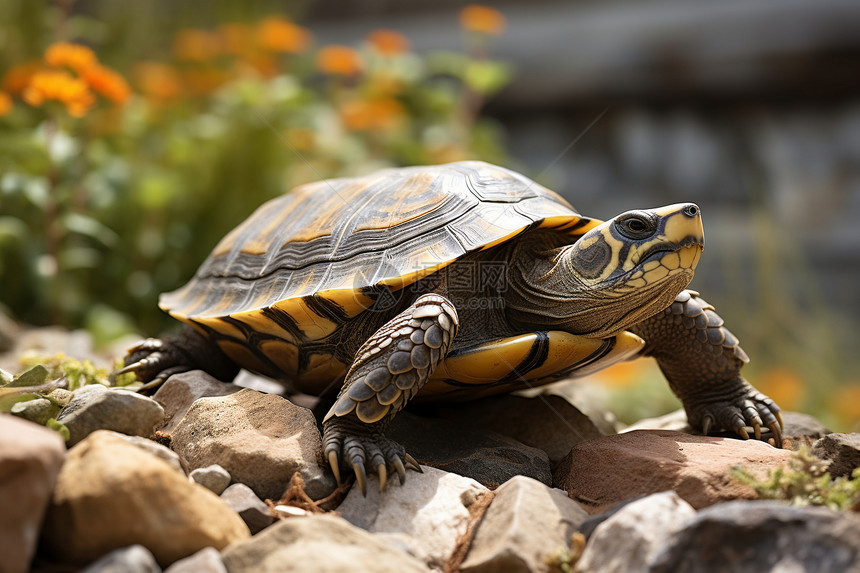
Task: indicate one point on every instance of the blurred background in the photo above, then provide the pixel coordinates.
(133, 136)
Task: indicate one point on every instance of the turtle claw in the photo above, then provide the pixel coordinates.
(335, 465)
(383, 476)
(742, 432)
(345, 448)
(776, 428)
(706, 424)
(757, 429)
(360, 476)
(412, 464)
(401, 471)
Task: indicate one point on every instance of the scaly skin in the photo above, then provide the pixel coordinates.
(389, 369)
(154, 360)
(702, 360)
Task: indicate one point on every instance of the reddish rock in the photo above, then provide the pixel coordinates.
(111, 494)
(600, 473)
(30, 460)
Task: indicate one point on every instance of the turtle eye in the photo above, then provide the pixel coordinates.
(636, 225)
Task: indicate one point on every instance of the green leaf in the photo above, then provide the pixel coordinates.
(32, 377)
(53, 424)
(89, 227)
(486, 77)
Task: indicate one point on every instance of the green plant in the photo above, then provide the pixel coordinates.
(111, 195)
(806, 481)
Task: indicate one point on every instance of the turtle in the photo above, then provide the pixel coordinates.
(450, 282)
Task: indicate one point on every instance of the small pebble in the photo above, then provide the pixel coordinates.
(214, 478)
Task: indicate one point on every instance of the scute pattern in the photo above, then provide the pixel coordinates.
(392, 228)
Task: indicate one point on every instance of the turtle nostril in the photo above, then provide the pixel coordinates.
(691, 210)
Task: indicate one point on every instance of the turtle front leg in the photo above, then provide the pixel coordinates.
(389, 369)
(701, 360)
(154, 360)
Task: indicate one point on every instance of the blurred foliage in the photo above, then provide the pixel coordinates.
(805, 482)
(45, 386)
(116, 182)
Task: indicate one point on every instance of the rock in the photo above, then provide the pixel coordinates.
(156, 449)
(634, 536)
(111, 494)
(132, 559)
(30, 460)
(590, 524)
(242, 499)
(214, 478)
(181, 390)
(603, 472)
(96, 407)
(207, 560)
(841, 450)
(427, 514)
(484, 456)
(263, 384)
(261, 439)
(799, 426)
(588, 397)
(39, 410)
(750, 537)
(526, 523)
(675, 421)
(546, 422)
(323, 544)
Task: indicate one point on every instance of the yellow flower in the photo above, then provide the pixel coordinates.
(280, 35)
(61, 86)
(74, 56)
(196, 45)
(5, 104)
(482, 19)
(375, 115)
(339, 60)
(158, 81)
(108, 83)
(388, 42)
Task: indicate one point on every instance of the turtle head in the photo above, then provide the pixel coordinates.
(630, 267)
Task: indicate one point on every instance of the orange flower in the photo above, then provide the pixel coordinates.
(5, 104)
(17, 78)
(196, 45)
(236, 38)
(845, 402)
(482, 19)
(388, 42)
(158, 81)
(280, 35)
(784, 386)
(375, 115)
(108, 83)
(60, 86)
(74, 56)
(340, 60)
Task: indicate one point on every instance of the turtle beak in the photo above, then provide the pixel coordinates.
(683, 224)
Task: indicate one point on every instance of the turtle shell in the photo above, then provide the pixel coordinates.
(307, 261)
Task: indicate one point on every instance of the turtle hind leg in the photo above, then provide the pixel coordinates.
(389, 369)
(702, 360)
(154, 360)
